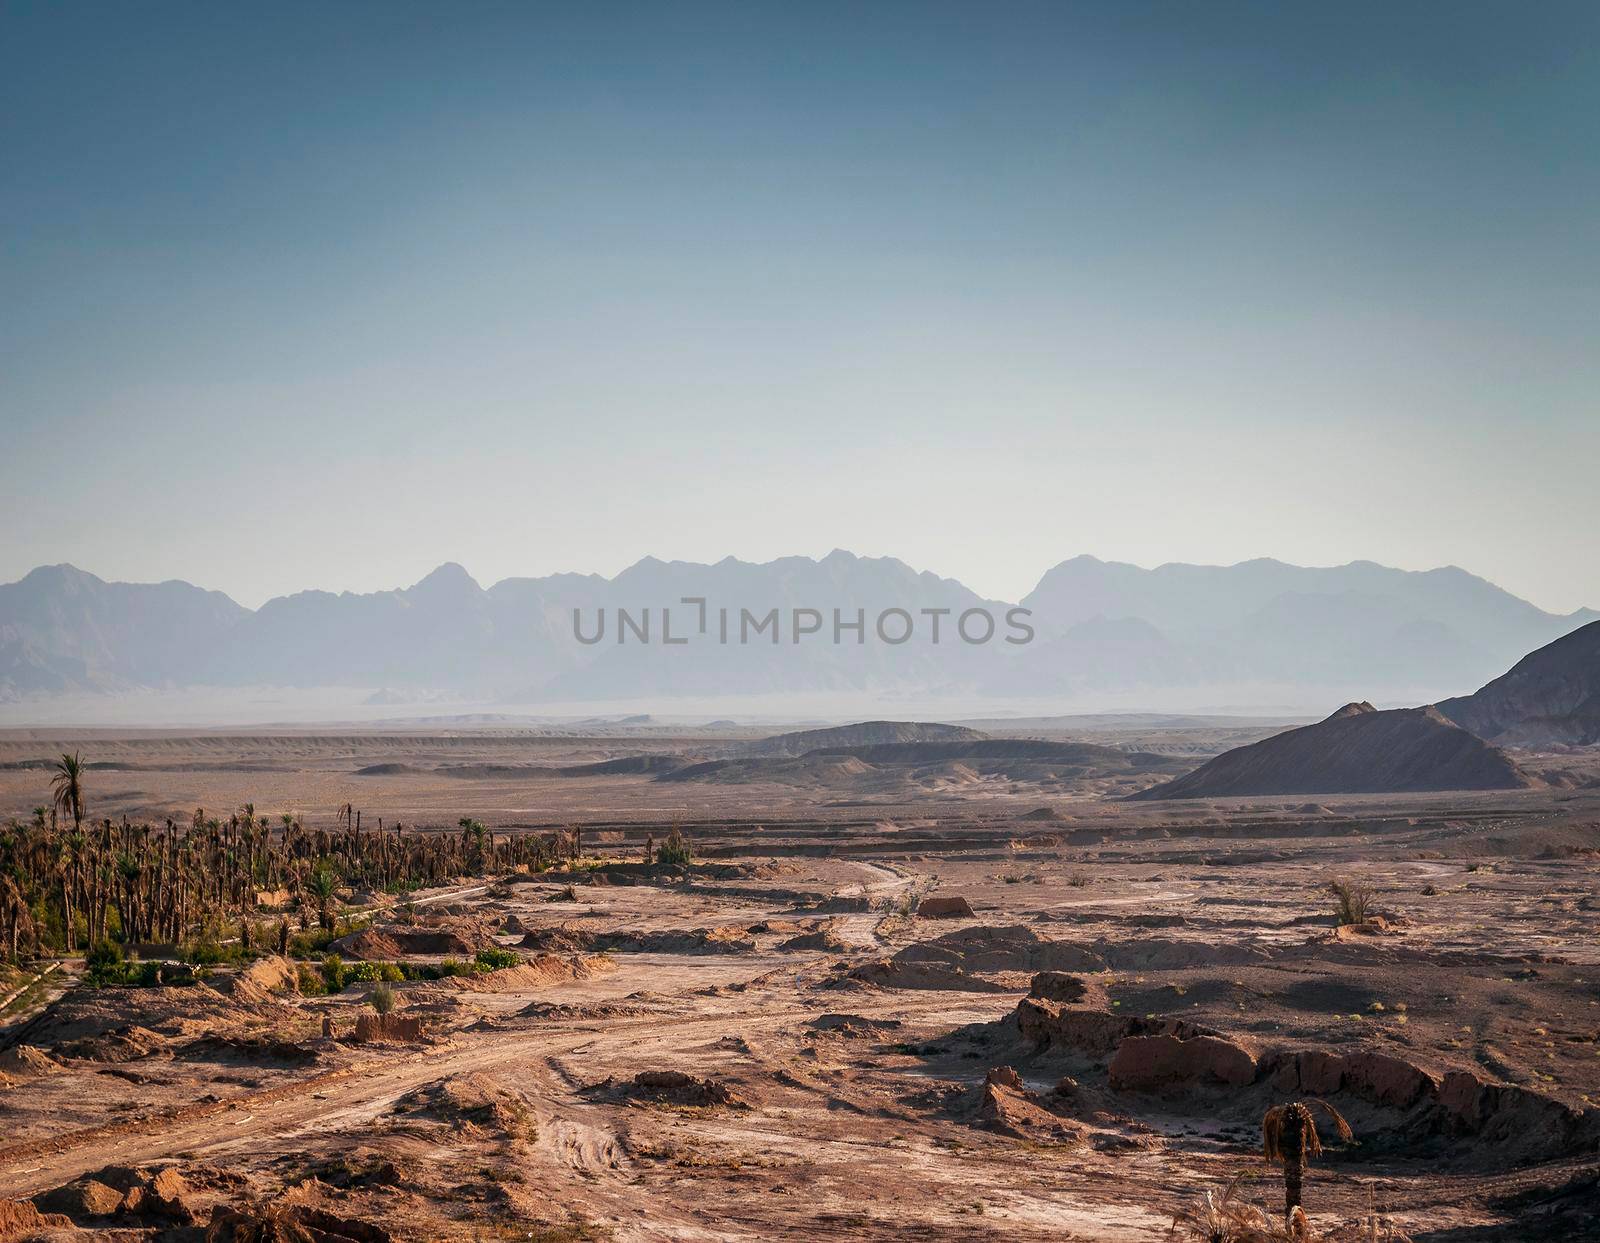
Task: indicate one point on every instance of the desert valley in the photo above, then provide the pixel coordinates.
(746, 622)
(1031, 980)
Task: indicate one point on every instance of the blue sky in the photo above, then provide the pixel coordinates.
(325, 295)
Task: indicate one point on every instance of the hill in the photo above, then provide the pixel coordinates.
(1357, 750)
(1551, 696)
(862, 734)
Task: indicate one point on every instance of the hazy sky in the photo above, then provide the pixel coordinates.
(325, 295)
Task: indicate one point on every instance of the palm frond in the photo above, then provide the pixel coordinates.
(1272, 1133)
(1340, 1125)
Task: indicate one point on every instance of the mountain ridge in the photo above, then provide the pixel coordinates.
(1551, 696)
(1100, 624)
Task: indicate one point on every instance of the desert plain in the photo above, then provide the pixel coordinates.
(883, 997)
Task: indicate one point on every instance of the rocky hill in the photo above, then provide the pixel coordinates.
(861, 734)
(1357, 750)
(1551, 696)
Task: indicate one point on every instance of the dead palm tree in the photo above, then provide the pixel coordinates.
(1289, 1134)
(66, 787)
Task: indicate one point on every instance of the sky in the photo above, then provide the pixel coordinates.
(325, 295)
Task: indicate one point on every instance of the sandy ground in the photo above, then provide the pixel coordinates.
(847, 1073)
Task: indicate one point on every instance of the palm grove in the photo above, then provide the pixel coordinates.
(70, 883)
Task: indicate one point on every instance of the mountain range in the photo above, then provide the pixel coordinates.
(1096, 626)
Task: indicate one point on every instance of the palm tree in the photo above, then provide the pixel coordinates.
(66, 787)
(15, 916)
(129, 870)
(323, 883)
(1289, 1134)
(473, 832)
(66, 869)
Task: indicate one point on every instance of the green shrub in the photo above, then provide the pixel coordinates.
(495, 959)
(382, 999)
(105, 966)
(368, 972)
(105, 954)
(454, 966)
(675, 850)
(310, 981)
(204, 952)
(148, 975)
(315, 941)
(333, 973)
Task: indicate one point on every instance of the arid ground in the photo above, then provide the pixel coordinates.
(773, 1042)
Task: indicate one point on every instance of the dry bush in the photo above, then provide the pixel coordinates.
(1354, 901)
(1223, 1215)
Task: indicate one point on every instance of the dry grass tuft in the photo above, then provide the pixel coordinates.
(1223, 1215)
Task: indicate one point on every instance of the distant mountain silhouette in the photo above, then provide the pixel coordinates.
(1357, 750)
(1362, 625)
(63, 630)
(1101, 627)
(1551, 696)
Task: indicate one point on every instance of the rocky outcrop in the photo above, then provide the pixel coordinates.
(1170, 1057)
(1376, 1077)
(1017, 947)
(1357, 750)
(1058, 986)
(155, 1195)
(23, 1061)
(403, 1029)
(21, 1220)
(461, 937)
(1162, 1063)
(80, 1199)
(1013, 947)
(1502, 1112)
(952, 907)
(1052, 1025)
(673, 1087)
(1006, 1107)
(824, 939)
(269, 1222)
(898, 973)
